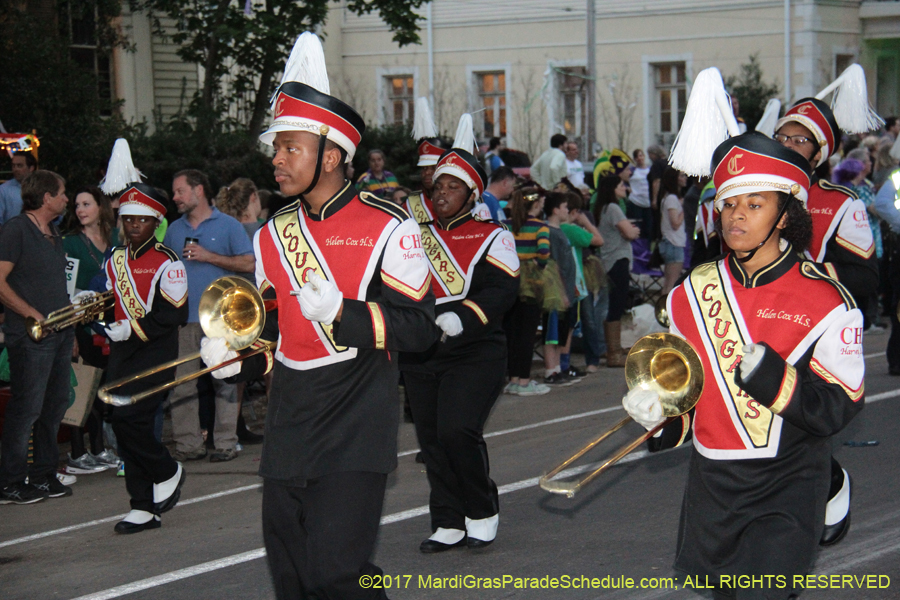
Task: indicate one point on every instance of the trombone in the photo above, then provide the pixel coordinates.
(661, 311)
(662, 362)
(89, 309)
(232, 308)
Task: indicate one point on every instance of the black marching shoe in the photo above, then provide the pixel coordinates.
(167, 493)
(833, 534)
(431, 546)
(137, 521)
(475, 543)
(434, 544)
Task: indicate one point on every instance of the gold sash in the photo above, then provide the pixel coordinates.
(725, 337)
(442, 262)
(128, 296)
(302, 260)
(418, 210)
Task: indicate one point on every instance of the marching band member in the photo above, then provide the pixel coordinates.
(352, 285)
(453, 386)
(150, 286)
(842, 239)
(419, 205)
(780, 343)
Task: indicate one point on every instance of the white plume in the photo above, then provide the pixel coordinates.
(708, 121)
(423, 125)
(850, 103)
(767, 122)
(465, 134)
(306, 64)
(120, 171)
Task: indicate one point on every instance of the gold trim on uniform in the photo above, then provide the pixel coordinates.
(270, 359)
(822, 372)
(855, 249)
(176, 304)
(721, 328)
(503, 267)
(405, 289)
(786, 391)
(378, 328)
(685, 428)
(125, 286)
(301, 258)
(418, 209)
(446, 269)
(477, 310)
(140, 332)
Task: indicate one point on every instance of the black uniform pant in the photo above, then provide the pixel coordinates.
(893, 346)
(319, 538)
(450, 407)
(147, 461)
(520, 325)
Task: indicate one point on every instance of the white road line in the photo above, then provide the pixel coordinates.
(38, 536)
(535, 425)
(144, 584)
(229, 561)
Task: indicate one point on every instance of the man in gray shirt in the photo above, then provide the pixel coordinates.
(33, 284)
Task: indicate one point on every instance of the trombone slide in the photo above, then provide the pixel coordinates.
(120, 400)
(570, 488)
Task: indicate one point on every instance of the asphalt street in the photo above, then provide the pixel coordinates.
(621, 529)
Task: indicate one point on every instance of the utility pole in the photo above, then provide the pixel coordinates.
(591, 88)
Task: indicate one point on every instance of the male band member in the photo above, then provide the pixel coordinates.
(419, 205)
(755, 498)
(352, 285)
(33, 284)
(842, 239)
(452, 387)
(151, 292)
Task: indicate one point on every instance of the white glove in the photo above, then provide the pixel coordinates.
(449, 323)
(118, 331)
(644, 407)
(82, 296)
(215, 351)
(320, 300)
(753, 355)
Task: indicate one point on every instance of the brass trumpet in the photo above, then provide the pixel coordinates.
(661, 311)
(89, 309)
(662, 362)
(232, 308)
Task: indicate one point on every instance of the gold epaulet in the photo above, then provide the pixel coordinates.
(833, 187)
(167, 251)
(812, 270)
(369, 199)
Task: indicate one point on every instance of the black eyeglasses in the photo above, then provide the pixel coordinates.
(799, 140)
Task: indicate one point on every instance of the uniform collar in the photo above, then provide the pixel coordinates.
(457, 222)
(332, 206)
(769, 273)
(132, 255)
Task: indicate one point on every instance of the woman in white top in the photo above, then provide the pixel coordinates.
(674, 239)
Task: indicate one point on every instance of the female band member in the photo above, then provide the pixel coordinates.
(453, 386)
(151, 302)
(780, 342)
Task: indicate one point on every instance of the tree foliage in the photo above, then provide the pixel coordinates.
(44, 90)
(250, 43)
(751, 90)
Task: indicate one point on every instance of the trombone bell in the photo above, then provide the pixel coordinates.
(231, 308)
(662, 362)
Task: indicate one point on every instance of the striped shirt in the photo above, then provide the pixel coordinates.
(383, 188)
(532, 241)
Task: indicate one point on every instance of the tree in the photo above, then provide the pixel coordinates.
(45, 90)
(253, 41)
(751, 91)
(618, 107)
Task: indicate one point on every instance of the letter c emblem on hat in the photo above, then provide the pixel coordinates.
(803, 109)
(733, 165)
